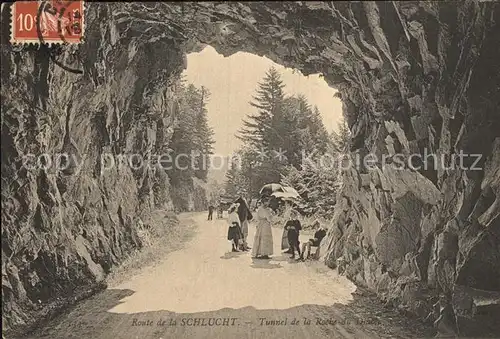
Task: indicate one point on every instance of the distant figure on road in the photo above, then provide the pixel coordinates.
(220, 211)
(263, 241)
(210, 212)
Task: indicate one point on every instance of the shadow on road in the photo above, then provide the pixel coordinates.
(264, 263)
(362, 318)
(231, 255)
(281, 258)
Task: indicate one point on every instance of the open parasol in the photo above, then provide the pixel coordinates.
(290, 190)
(286, 195)
(269, 189)
(279, 191)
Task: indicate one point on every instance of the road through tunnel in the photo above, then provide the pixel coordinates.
(420, 75)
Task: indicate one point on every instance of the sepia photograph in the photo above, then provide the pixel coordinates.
(259, 170)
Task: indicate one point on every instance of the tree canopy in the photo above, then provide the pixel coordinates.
(275, 137)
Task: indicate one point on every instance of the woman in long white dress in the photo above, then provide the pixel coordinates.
(263, 241)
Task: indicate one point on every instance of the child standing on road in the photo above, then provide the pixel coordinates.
(234, 231)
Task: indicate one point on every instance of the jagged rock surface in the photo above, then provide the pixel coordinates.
(62, 231)
(412, 76)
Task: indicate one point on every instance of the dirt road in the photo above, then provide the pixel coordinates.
(205, 291)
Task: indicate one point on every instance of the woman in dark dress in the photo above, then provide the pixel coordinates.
(245, 216)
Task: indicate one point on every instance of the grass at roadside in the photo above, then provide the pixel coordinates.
(161, 234)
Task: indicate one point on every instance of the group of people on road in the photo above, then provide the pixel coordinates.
(220, 211)
(291, 241)
(239, 215)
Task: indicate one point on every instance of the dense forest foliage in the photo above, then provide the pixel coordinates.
(277, 138)
(318, 180)
(191, 146)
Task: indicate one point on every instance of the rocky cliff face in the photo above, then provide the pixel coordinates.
(62, 230)
(414, 77)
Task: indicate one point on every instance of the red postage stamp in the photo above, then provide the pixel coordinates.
(47, 22)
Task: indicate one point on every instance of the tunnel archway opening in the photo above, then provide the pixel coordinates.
(233, 82)
(396, 82)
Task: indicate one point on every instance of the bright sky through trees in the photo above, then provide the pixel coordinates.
(232, 82)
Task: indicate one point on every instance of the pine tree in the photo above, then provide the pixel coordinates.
(231, 179)
(191, 133)
(318, 185)
(258, 130)
(340, 140)
(304, 129)
(236, 182)
(203, 137)
(276, 135)
(290, 127)
(318, 130)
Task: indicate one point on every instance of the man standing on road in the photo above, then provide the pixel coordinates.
(210, 212)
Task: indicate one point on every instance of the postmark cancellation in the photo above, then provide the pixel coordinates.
(47, 22)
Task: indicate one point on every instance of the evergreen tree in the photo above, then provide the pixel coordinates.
(258, 129)
(276, 135)
(203, 133)
(192, 136)
(232, 174)
(318, 185)
(302, 129)
(340, 140)
(318, 130)
(290, 127)
(214, 191)
(236, 180)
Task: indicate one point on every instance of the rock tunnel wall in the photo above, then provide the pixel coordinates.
(62, 231)
(413, 76)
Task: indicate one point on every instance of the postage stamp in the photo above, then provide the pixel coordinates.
(47, 22)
